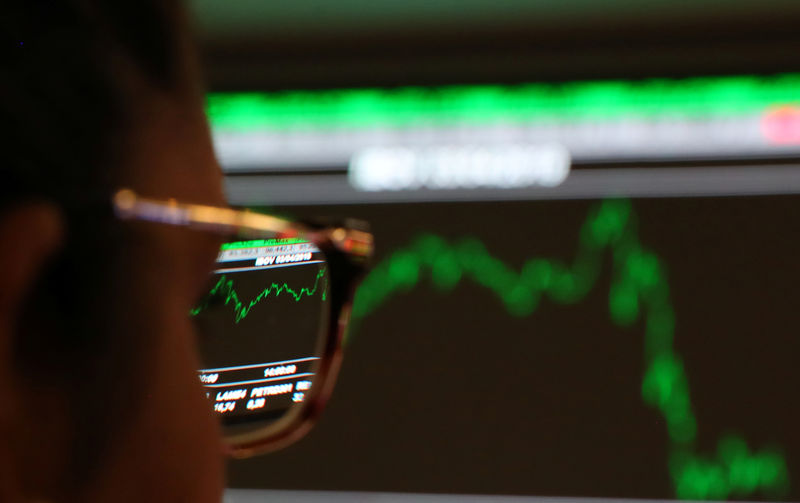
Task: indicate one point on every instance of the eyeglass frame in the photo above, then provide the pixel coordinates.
(348, 248)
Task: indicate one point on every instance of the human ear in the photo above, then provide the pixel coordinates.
(30, 234)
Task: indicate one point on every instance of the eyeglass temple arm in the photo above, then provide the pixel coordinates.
(130, 206)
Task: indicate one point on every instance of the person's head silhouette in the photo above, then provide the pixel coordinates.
(100, 398)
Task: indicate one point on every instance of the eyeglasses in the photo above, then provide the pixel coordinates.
(271, 326)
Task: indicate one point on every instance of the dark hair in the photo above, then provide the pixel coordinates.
(67, 103)
(62, 91)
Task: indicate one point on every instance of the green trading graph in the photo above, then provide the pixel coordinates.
(224, 289)
(639, 288)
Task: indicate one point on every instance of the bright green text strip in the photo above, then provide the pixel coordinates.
(705, 97)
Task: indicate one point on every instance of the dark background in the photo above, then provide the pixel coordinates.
(252, 44)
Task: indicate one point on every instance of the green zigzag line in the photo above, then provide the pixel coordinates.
(224, 288)
(639, 288)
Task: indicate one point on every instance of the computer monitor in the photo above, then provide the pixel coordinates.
(581, 289)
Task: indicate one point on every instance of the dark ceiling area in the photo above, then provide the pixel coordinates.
(270, 45)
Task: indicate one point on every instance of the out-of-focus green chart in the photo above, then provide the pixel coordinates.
(639, 289)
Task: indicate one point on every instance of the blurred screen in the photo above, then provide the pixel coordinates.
(580, 289)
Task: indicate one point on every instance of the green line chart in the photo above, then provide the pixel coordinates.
(224, 289)
(639, 289)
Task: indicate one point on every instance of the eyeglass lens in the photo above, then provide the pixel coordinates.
(262, 329)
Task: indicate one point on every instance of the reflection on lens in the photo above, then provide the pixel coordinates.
(260, 329)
